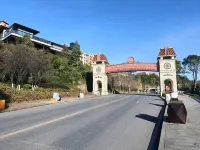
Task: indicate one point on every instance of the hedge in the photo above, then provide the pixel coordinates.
(13, 95)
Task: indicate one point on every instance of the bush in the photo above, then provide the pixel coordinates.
(27, 86)
(13, 95)
(175, 102)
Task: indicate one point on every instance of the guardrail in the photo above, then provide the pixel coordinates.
(57, 47)
(31, 36)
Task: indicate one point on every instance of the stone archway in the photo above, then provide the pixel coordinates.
(99, 84)
(168, 83)
(166, 66)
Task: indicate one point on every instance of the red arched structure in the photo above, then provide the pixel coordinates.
(166, 66)
(132, 67)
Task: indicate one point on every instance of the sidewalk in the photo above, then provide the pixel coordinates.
(36, 103)
(183, 136)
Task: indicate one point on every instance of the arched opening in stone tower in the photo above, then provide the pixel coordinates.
(99, 83)
(168, 85)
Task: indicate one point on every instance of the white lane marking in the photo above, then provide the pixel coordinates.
(60, 118)
(138, 101)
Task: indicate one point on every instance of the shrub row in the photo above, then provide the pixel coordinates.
(12, 95)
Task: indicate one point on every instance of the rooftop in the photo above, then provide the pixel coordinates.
(167, 51)
(4, 22)
(100, 57)
(19, 26)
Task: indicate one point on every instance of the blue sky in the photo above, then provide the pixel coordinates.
(117, 28)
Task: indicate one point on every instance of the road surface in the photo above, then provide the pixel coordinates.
(114, 122)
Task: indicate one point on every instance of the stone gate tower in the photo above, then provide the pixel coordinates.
(167, 68)
(99, 75)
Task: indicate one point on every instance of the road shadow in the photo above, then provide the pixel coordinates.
(156, 104)
(155, 137)
(147, 117)
(158, 99)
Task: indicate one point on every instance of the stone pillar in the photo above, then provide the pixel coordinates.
(167, 71)
(100, 75)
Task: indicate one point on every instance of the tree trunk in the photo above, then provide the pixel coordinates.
(11, 78)
(33, 87)
(195, 81)
(18, 87)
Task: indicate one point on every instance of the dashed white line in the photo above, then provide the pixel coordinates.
(138, 101)
(60, 118)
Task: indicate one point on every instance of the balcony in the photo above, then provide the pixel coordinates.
(57, 48)
(41, 40)
(21, 33)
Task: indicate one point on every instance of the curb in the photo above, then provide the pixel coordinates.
(163, 131)
(156, 134)
(50, 103)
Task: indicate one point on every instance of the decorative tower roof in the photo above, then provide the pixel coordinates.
(167, 51)
(100, 58)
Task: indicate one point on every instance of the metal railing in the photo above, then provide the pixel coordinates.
(57, 47)
(31, 36)
(41, 40)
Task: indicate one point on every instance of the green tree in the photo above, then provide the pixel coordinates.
(179, 68)
(74, 57)
(25, 40)
(192, 64)
(39, 63)
(183, 82)
(16, 60)
(145, 80)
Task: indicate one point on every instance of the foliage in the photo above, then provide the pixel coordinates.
(24, 40)
(15, 61)
(13, 95)
(151, 79)
(192, 64)
(183, 83)
(179, 68)
(21, 63)
(67, 73)
(175, 102)
(74, 58)
(27, 86)
(127, 82)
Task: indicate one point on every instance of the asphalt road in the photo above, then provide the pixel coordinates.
(115, 122)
